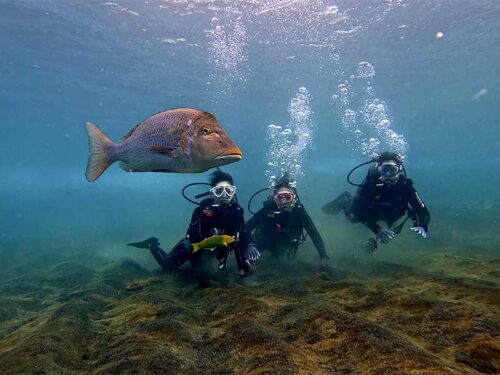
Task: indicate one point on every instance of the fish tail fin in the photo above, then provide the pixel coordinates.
(196, 247)
(99, 147)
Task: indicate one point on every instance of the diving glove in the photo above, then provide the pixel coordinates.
(252, 253)
(386, 235)
(420, 230)
(221, 240)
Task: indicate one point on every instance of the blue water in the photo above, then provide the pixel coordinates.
(115, 63)
(334, 81)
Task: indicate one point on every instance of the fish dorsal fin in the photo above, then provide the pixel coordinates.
(129, 133)
(164, 150)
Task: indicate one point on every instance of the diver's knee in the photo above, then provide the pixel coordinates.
(346, 196)
(342, 202)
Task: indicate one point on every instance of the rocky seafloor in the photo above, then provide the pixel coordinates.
(432, 311)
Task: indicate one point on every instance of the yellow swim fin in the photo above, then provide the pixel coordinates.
(221, 240)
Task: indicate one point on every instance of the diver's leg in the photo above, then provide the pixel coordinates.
(199, 259)
(176, 258)
(222, 255)
(279, 247)
(160, 256)
(173, 260)
(342, 202)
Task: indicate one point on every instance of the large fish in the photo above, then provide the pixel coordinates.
(179, 140)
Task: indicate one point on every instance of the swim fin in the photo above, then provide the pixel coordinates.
(370, 245)
(342, 202)
(150, 243)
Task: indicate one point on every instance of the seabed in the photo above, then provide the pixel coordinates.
(431, 311)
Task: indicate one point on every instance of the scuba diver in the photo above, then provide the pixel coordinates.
(217, 224)
(386, 195)
(279, 225)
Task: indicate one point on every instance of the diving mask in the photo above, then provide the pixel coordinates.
(223, 192)
(389, 171)
(285, 199)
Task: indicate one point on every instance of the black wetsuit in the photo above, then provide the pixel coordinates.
(208, 220)
(281, 231)
(375, 202)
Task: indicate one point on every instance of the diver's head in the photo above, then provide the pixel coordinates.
(223, 189)
(387, 155)
(389, 165)
(284, 194)
(285, 198)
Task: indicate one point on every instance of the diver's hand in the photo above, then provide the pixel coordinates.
(250, 267)
(386, 235)
(252, 253)
(420, 230)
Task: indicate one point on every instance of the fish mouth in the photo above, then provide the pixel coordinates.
(231, 154)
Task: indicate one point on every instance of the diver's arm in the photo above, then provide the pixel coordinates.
(361, 199)
(361, 202)
(243, 231)
(194, 229)
(357, 202)
(243, 241)
(254, 221)
(313, 232)
(361, 209)
(373, 226)
(418, 210)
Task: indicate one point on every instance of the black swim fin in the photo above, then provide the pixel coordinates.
(342, 202)
(150, 243)
(370, 245)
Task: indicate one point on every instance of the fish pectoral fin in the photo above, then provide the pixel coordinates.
(164, 150)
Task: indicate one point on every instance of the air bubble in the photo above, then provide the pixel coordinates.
(366, 70)
(365, 120)
(287, 146)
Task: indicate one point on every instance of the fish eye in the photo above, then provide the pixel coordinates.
(206, 130)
